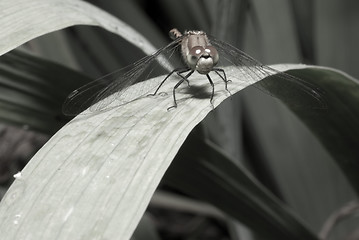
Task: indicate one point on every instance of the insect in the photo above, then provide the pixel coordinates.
(192, 51)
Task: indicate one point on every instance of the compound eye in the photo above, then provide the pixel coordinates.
(212, 51)
(194, 54)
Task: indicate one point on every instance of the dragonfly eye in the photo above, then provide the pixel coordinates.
(212, 51)
(194, 54)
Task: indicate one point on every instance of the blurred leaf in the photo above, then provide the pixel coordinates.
(303, 16)
(145, 230)
(336, 127)
(173, 201)
(336, 35)
(203, 171)
(348, 211)
(33, 90)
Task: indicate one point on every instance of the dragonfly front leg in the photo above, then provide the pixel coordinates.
(224, 77)
(177, 70)
(179, 73)
(211, 82)
(184, 78)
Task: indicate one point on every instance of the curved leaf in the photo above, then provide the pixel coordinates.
(337, 126)
(22, 21)
(96, 176)
(217, 179)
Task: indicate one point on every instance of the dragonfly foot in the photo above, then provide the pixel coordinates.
(230, 94)
(151, 94)
(172, 108)
(212, 105)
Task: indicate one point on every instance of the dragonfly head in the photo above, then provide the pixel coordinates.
(202, 59)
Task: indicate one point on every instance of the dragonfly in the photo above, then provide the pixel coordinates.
(190, 52)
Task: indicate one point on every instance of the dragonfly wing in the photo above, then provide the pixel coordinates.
(114, 89)
(254, 71)
(83, 97)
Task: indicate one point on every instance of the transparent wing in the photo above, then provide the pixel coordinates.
(280, 86)
(99, 94)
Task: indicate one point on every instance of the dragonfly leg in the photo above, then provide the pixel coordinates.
(184, 78)
(177, 70)
(224, 77)
(179, 73)
(211, 82)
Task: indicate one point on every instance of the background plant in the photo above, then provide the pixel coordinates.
(279, 151)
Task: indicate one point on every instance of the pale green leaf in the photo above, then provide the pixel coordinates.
(95, 177)
(23, 20)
